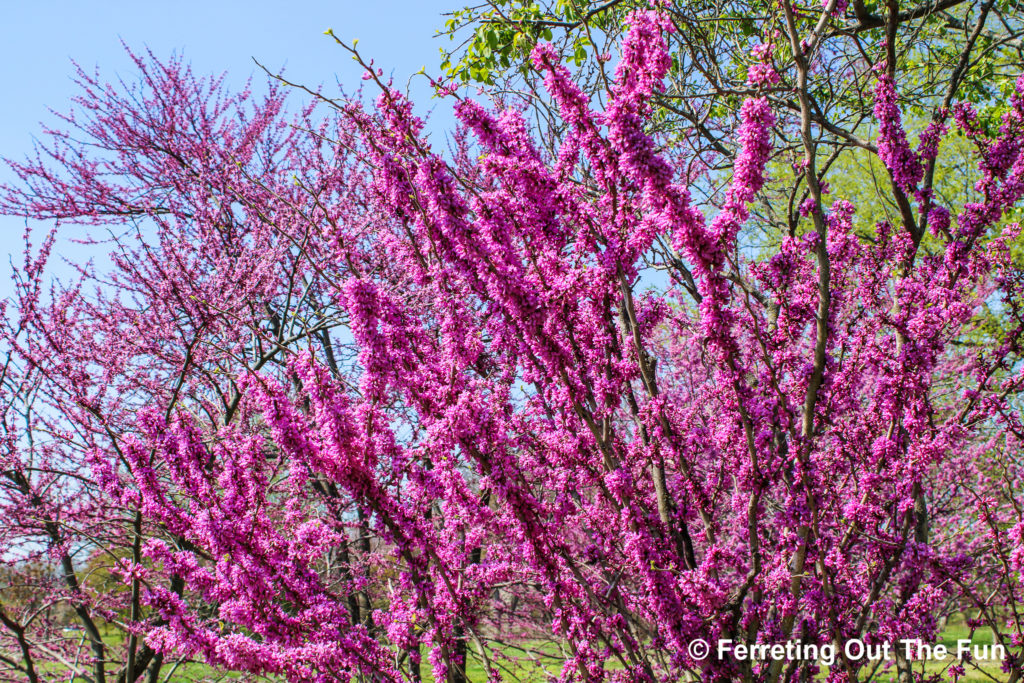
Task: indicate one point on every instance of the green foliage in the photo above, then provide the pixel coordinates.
(498, 37)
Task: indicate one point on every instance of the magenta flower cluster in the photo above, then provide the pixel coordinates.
(350, 406)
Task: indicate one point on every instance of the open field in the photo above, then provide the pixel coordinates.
(534, 663)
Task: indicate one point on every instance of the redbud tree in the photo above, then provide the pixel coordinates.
(343, 402)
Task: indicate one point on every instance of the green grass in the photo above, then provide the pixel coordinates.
(955, 631)
(539, 662)
(113, 638)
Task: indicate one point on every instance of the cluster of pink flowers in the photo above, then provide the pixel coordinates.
(893, 148)
(763, 72)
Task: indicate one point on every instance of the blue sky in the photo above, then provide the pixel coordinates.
(38, 40)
